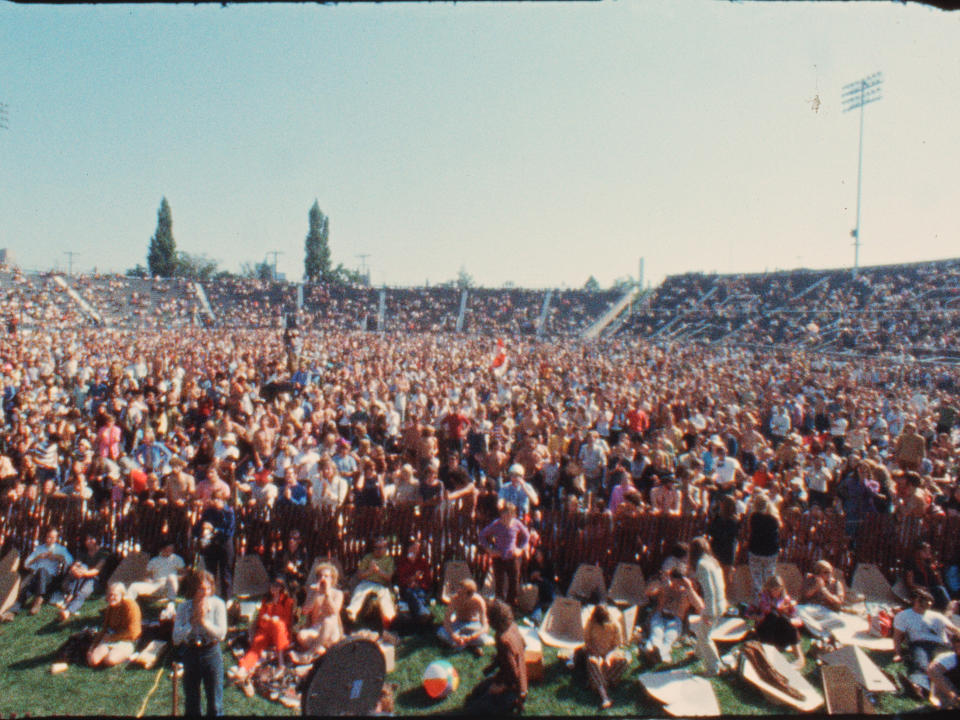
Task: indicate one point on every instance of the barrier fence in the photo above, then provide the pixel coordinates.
(567, 538)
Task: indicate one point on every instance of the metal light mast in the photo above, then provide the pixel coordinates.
(857, 95)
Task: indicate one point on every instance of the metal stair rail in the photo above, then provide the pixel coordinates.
(542, 319)
(204, 301)
(618, 307)
(76, 297)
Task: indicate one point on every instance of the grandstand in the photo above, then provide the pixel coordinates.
(909, 309)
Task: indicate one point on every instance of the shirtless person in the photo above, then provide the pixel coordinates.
(465, 622)
(322, 612)
(674, 596)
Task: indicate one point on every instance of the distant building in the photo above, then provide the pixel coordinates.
(6, 257)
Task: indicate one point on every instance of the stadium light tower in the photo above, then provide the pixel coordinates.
(857, 95)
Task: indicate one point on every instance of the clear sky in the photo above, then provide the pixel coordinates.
(526, 143)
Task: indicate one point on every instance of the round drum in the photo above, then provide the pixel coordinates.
(345, 680)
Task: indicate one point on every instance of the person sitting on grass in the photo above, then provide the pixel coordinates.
(776, 618)
(465, 621)
(376, 575)
(674, 598)
(505, 691)
(270, 630)
(925, 633)
(121, 629)
(46, 565)
(944, 673)
(414, 578)
(823, 587)
(606, 660)
(165, 570)
(82, 577)
(322, 612)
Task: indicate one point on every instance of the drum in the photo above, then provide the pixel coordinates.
(346, 680)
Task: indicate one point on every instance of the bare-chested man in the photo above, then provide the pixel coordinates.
(322, 612)
(465, 622)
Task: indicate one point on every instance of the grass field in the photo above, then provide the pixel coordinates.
(28, 644)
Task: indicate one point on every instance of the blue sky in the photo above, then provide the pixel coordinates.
(534, 144)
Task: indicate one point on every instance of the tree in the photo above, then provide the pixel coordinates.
(261, 270)
(162, 255)
(346, 276)
(622, 284)
(316, 263)
(464, 279)
(195, 267)
(139, 271)
(591, 284)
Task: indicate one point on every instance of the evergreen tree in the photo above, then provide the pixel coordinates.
(316, 263)
(162, 255)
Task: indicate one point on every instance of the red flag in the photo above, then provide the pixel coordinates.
(500, 360)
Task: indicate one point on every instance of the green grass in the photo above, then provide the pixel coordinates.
(26, 686)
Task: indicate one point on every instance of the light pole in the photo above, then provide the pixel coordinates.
(857, 95)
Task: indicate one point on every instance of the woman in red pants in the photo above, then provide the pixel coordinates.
(271, 630)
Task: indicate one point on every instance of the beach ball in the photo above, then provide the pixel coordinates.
(440, 679)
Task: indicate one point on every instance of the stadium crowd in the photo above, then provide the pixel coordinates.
(216, 421)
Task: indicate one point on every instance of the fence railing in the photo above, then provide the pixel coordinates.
(567, 538)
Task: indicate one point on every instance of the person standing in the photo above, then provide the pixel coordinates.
(215, 528)
(763, 544)
(505, 539)
(199, 628)
(713, 592)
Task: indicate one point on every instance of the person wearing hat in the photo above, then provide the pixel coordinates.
(517, 491)
(271, 630)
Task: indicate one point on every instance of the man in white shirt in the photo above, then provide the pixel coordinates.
(164, 570)
(924, 630)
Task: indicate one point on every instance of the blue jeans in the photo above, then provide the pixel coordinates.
(416, 598)
(203, 666)
(36, 584)
(77, 589)
(465, 629)
(664, 632)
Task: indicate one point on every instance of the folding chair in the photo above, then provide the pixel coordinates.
(133, 568)
(792, 579)
(870, 582)
(627, 586)
(740, 588)
(587, 584)
(10, 562)
(562, 626)
(454, 572)
(250, 579)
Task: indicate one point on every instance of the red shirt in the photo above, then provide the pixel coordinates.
(407, 569)
(456, 425)
(637, 421)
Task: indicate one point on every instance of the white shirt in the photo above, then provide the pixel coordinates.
(931, 626)
(161, 567)
(727, 470)
(214, 626)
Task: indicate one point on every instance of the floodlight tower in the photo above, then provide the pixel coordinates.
(857, 95)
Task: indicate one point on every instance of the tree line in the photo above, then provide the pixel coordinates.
(164, 260)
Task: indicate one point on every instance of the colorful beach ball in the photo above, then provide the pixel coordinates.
(440, 679)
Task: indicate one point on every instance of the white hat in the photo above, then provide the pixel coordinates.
(517, 469)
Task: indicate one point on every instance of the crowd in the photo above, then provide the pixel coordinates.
(218, 421)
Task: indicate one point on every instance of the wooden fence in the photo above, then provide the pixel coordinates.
(567, 538)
